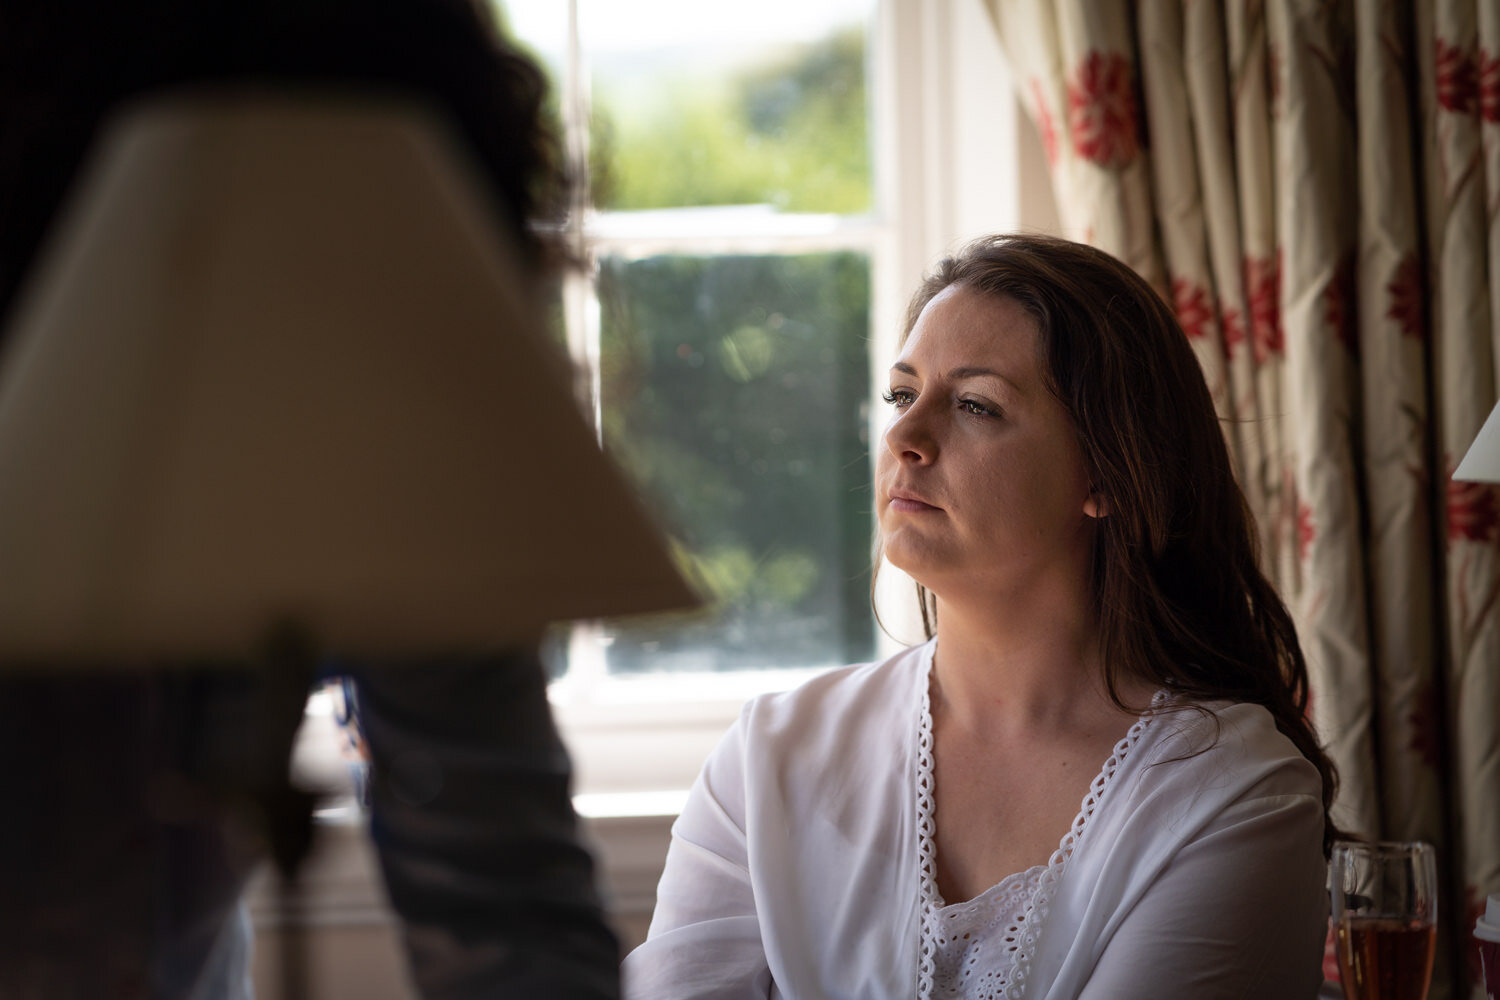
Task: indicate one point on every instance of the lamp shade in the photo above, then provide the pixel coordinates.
(278, 365)
(1481, 463)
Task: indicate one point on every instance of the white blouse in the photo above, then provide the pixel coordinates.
(796, 869)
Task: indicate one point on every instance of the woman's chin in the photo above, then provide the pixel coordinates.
(919, 562)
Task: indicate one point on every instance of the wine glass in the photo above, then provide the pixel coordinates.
(1385, 915)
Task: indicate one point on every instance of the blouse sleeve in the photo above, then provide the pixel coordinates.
(1240, 912)
(704, 942)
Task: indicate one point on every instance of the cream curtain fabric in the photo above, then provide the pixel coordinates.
(1316, 186)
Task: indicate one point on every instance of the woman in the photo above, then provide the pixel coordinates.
(1096, 779)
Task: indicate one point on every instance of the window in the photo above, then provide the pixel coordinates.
(731, 241)
(765, 184)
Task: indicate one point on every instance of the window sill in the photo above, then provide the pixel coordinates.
(637, 741)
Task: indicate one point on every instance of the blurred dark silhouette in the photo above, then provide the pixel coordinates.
(123, 861)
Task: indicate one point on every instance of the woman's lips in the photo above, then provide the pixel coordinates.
(910, 504)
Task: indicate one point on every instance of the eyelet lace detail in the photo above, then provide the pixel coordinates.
(926, 848)
(974, 951)
(1023, 922)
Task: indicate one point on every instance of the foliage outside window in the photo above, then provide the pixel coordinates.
(726, 319)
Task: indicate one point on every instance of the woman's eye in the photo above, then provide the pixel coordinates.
(975, 407)
(899, 398)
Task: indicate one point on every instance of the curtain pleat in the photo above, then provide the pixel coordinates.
(1261, 332)
(1393, 338)
(1207, 73)
(1180, 210)
(1314, 138)
(1315, 184)
(1460, 227)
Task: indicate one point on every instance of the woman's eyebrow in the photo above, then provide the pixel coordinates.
(967, 371)
(970, 371)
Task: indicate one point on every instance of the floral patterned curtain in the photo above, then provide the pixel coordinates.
(1315, 184)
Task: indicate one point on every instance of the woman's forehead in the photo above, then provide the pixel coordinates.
(965, 328)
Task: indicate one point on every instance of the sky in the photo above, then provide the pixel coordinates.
(624, 25)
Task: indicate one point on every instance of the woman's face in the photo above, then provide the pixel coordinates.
(981, 481)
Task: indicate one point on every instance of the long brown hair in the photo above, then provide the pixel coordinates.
(1181, 599)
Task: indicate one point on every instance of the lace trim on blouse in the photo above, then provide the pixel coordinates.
(981, 949)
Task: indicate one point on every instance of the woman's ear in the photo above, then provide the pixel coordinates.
(1095, 506)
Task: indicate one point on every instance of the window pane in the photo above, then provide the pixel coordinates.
(540, 27)
(734, 389)
(726, 104)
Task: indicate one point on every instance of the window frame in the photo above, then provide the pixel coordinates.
(931, 80)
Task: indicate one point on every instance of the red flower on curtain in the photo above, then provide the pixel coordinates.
(1263, 286)
(1340, 306)
(1473, 511)
(1489, 87)
(1307, 530)
(1404, 293)
(1102, 112)
(1194, 308)
(1044, 121)
(1457, 78)
(1426, 728)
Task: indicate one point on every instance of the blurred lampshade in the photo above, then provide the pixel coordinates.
(276, 365)
(1481, 464)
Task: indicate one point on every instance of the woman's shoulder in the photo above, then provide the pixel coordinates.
(1226, 744)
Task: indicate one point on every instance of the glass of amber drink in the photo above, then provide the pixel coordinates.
(1385, 913)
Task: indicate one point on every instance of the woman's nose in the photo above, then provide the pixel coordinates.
(910, 435)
